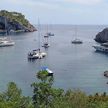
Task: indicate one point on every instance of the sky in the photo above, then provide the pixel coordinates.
(78, 12)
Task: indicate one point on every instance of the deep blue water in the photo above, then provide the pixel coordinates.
(74, 66)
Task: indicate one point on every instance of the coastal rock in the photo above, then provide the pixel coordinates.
(106, 73)
(14, 22)
(102, 36)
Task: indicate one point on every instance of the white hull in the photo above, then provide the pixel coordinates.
(4, 44)
(38, 55)
(101, 48)
(50, 73)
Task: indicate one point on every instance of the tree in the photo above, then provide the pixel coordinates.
(44, 93)
(13, 98)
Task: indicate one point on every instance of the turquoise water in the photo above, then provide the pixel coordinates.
(74, 66)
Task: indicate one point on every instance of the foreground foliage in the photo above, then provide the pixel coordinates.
(13, 98)
(47, 96)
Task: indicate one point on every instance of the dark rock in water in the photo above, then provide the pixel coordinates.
(106, 73)
(14, 22)
(102, 36)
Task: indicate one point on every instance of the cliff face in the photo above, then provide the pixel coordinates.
(102, 36)
(14, 22)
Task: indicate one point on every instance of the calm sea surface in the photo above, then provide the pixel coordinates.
(74, 66)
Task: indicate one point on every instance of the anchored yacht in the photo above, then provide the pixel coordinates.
(46, 44)
(77, 41)
(102, 48)
(5, 42)
(37, 54)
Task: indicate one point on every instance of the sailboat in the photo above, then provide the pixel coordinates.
(5, 41)
(37, 53)
(49, 33)
(76, 40)
(46, 44)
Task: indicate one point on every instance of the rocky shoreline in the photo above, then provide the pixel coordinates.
(102, 36)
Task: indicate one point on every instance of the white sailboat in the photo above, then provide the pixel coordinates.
(76, 40)
(46, 43)
(49, 33)
(37, 54)
(5, 41)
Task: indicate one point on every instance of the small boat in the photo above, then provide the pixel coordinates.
(102, 48)
(46, 44)
(106, 74)
(50, 34)
(50, 73)
(36, 54)
(77, 41)
(5, 42)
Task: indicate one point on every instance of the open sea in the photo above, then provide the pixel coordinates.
(74, 66)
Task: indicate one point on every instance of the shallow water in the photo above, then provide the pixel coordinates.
(74, 66)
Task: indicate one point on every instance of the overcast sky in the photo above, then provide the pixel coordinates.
(60, 11)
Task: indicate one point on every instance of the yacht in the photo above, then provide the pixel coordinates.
(102, 48)
(36, 54)
(77, 41)
(6, 42)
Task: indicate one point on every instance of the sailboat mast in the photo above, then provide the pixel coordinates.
(5, 26)
(39, 34)
(47, 29)
(76, 31)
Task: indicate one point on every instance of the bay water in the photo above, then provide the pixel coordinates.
(74, 66)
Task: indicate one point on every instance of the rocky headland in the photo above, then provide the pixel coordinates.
(14, 22)
(102, 36)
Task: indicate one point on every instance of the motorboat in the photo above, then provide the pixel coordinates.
(50, 72)
(77, 41)
(102, 48)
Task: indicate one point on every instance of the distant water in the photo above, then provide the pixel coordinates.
(74, 66)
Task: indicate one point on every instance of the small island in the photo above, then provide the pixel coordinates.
(14, 22)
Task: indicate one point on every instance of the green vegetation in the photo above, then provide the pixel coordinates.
(14, 16)
(13, 98)
(47, 96)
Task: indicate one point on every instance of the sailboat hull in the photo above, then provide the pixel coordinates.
(6, 43)
(36, 55)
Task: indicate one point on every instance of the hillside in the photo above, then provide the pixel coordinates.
(14, 22)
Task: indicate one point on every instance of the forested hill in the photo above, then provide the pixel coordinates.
(14, 21)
